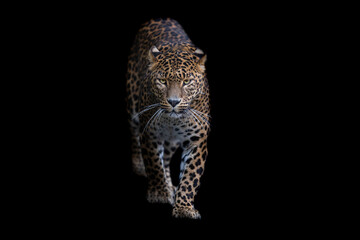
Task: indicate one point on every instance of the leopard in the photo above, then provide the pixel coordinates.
(168, 106)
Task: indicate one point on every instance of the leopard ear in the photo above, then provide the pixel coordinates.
(153, 53)
(200, 54)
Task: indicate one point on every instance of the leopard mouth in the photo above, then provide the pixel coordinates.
(174, 113)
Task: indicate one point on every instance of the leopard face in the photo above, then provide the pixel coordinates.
(177, 77)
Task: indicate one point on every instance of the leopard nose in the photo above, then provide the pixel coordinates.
(173, 102)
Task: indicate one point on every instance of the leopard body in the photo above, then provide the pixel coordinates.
(168, 107)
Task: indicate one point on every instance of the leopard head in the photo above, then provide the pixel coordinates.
(177, 76)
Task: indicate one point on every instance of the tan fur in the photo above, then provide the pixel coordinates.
(168, 105)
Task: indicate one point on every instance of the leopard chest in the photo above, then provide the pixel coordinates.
(173, 129)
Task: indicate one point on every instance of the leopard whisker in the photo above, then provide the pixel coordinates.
(147, 108)
(196, 119)
(158, 116)
(201, 115)
(151, 120)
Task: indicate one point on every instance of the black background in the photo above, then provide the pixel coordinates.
(258, 168)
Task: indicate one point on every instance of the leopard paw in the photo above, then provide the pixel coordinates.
(139, 171)
(138, 166)
(186, 212)
(161, 196)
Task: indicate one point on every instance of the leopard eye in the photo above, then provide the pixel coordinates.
(186, 81)
(163, 81)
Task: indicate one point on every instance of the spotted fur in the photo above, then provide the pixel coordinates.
(168, 105)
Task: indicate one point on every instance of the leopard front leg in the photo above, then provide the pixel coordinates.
(137, 160)
(159, 190)
(169, 150)
(193, 162)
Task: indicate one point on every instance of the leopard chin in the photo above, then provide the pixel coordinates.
(175, 114)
